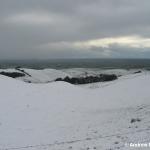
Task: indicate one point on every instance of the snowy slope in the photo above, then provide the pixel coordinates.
(43, 76)
(61, 116)
(39, 76)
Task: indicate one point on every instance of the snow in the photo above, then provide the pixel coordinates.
(77, 72)
(50, 75)
(39, 76)
(61, 116)
(43, 76)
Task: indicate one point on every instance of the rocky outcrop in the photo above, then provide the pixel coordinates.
(12, 74)
(137, 72)
(89, 79)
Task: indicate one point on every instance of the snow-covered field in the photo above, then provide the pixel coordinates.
(61, 116)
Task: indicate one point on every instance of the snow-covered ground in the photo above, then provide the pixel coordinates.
(61, 116)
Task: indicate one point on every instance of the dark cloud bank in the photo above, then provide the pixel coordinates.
(43, 29)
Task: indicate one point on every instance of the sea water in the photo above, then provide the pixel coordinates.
(78, 63)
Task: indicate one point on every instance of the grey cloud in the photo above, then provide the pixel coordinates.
(73, 21)
(119, 51)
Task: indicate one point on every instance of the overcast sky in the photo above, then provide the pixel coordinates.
(43, 29)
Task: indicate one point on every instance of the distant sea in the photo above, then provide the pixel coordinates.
(78, 63)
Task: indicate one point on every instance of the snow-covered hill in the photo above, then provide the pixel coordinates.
(49, 75)
(61, 116)
(38, 76)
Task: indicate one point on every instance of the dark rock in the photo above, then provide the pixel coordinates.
(135, 120)
(12, 74)
(138, 120)
(59, 79)
(137, 72)
(108, 77)
(116, 142)
(89, 79)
